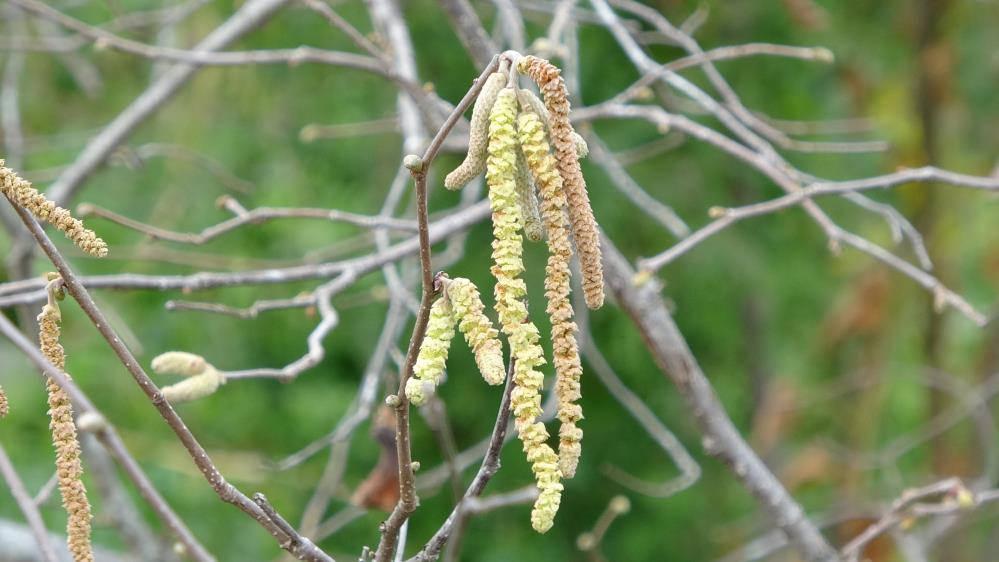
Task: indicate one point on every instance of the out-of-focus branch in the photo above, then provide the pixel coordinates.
(28, 291)
(470, 32)
(910, 506)
(252, 217)
(27, 506)
(299, 547)
(721, 438)
(110, 439)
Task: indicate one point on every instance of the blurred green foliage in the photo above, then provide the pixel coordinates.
(765, 306)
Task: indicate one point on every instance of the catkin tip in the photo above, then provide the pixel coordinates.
(432, 357)
(20, 192)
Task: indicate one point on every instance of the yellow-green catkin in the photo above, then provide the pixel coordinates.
(482, 337)
(510, 292)
(557, 287)
(565, 351)
(527, 197)
(528, 99)
(203, 378)
(430, 361)
(69, 468)
(584, 226)
(478, 135)
(21, 193)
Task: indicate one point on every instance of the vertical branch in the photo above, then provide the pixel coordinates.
(419, 167)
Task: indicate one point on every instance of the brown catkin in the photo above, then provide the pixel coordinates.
(565, 351)
(584, 225)
(4, 406)
(478, 135)
(21, 193)
(68, 465)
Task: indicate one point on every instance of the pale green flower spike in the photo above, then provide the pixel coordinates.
(478, 135)
(528, 200)
(477, 328)
(203, 378)
(179, 363)
(433, 353)
(193, 388)
(501, 172)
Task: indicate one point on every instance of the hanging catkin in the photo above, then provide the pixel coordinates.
(584, 226)
(21, 193)
(481, 336)
(527, 98)
(527, 197)
(433, 353)
(565, 351)
(69, 469)
(478, 135)
(203, 379)
(4, 406)
(510, 293)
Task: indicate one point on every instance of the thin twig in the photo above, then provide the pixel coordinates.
(27, 507)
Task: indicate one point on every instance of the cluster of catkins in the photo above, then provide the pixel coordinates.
(203, 379)
(530, 155)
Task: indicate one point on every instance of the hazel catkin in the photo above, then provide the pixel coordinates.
(203, 379)
(69, 468)
(433, 353)
(510, 292)
(527, 198)
(528, 99)
(478, 135)
(568, 369)
(584, 225)
(481, 336)
(20, 192)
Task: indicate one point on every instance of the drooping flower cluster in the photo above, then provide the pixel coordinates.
(203, 379)
(20, 192)
(69, 468)
(511, 291)
(461, 306)
(4, 406)
(536, 190)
